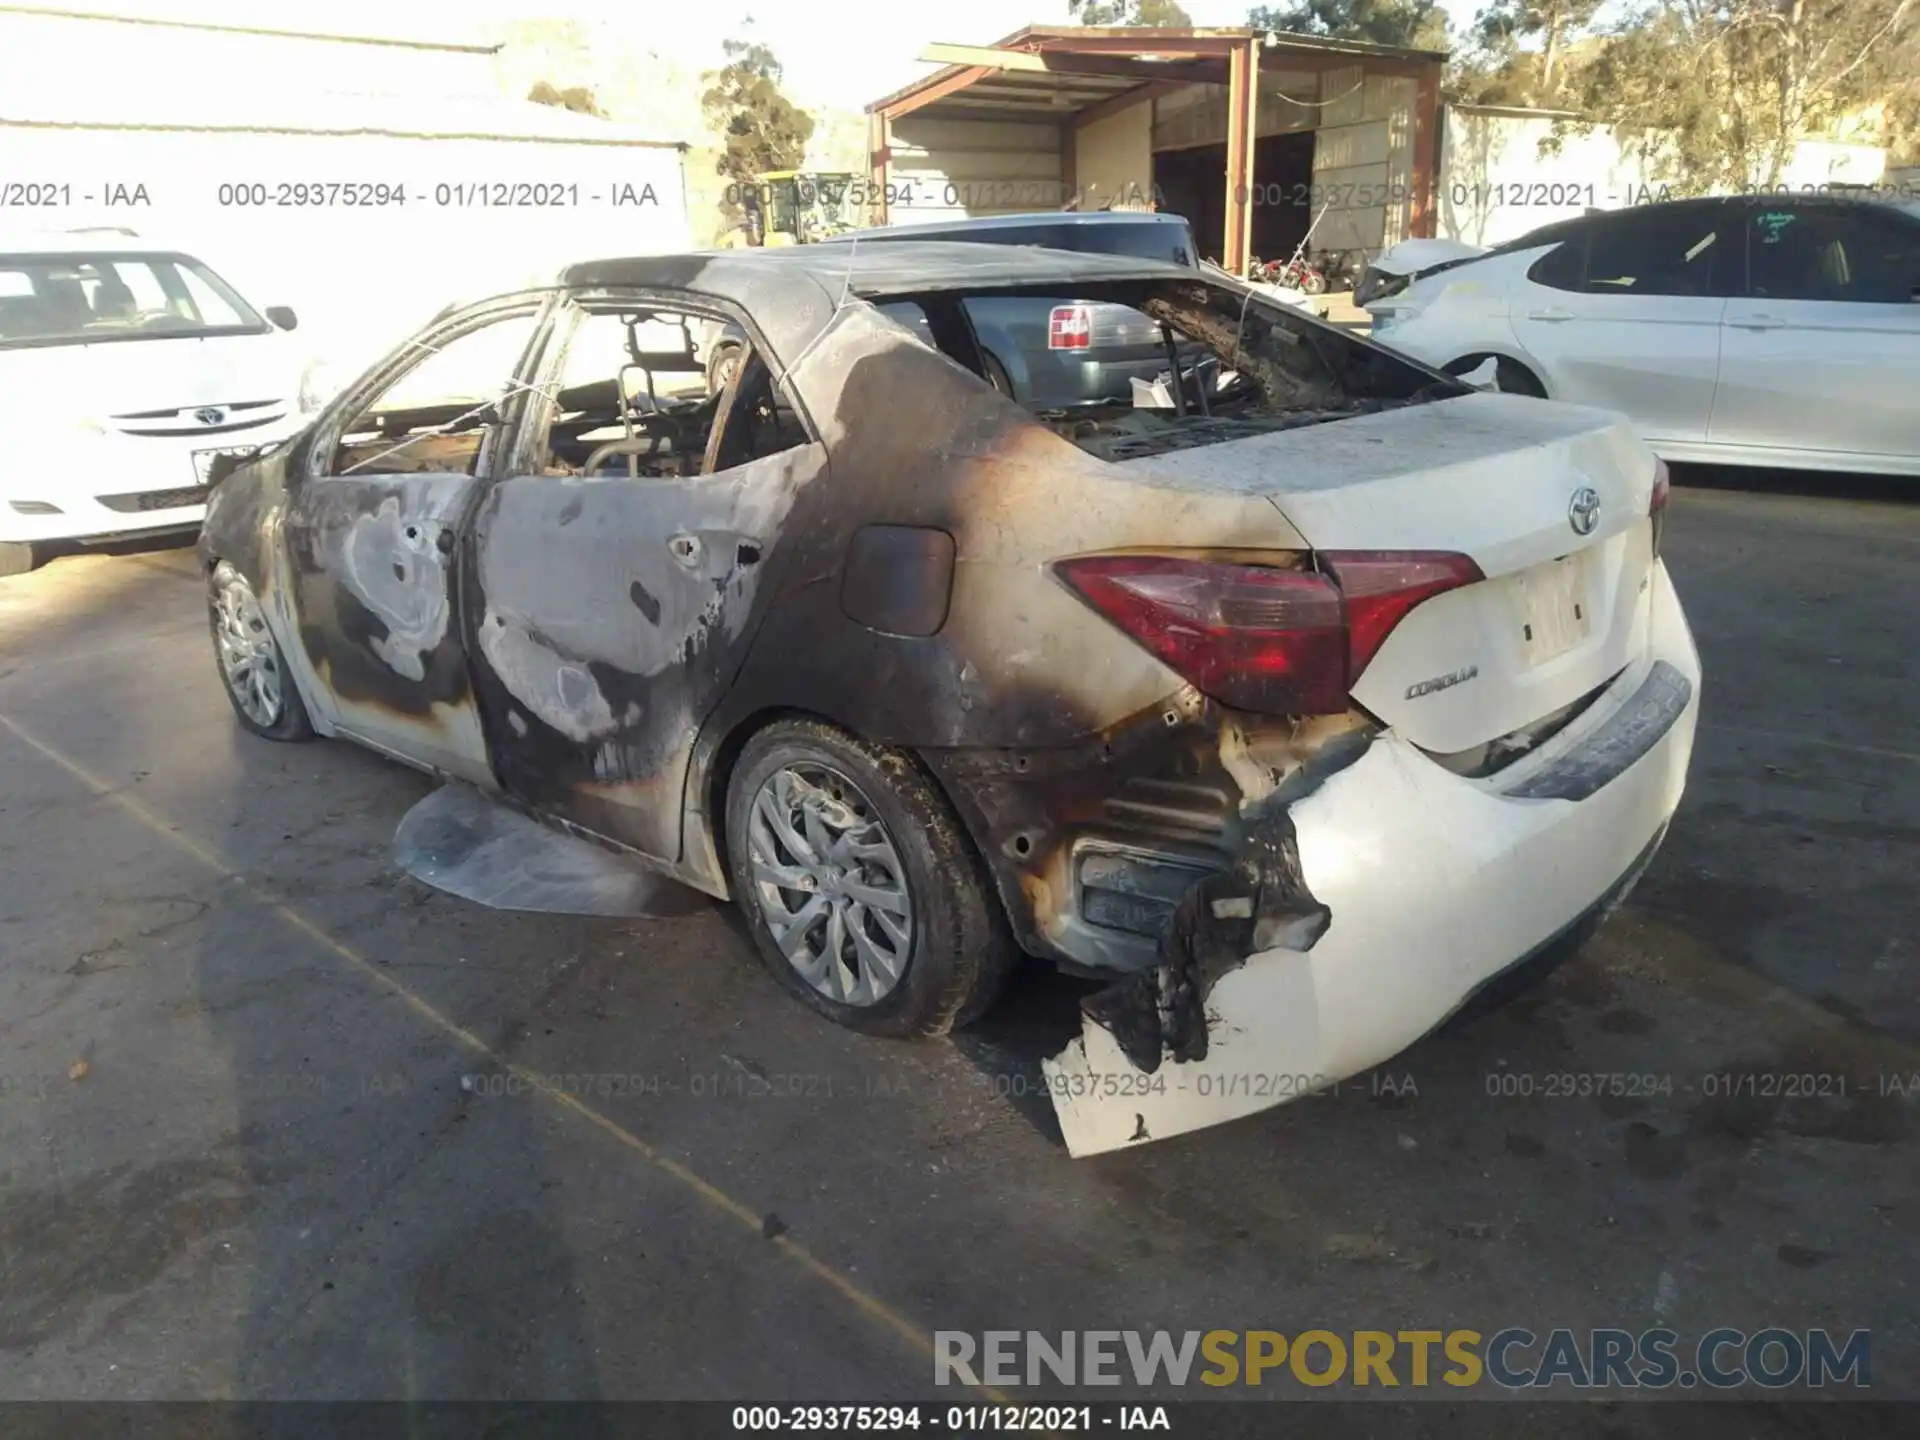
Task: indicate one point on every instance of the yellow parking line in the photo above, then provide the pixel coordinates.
(842, 1284)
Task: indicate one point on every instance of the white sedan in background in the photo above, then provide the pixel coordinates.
(1756, 330)
(131, 377)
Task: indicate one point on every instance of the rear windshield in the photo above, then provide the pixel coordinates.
(78, 299)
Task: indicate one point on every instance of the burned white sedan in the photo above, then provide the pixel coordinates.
(1304, 695)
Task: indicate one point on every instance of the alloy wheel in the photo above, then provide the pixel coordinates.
(249, 660)
(829, 883)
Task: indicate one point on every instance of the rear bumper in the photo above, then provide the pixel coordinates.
(1434, 887)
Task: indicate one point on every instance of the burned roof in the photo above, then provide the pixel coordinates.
(792, 292)
(872, 269)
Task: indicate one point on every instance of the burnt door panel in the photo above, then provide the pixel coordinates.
(372, 581)
(607, 616)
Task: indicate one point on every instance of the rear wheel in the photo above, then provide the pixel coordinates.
(17, 557)
(862, 892)
(252, 668)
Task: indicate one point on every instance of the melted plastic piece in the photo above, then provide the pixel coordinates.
(460, 841)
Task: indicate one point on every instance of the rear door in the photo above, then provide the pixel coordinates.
(614, 578)
(1626, 315)
(1823, 351)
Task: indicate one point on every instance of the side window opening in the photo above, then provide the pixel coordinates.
(1657, 252)
(636, 399)
(1848, 255)
(1562, 268)
(439, 413)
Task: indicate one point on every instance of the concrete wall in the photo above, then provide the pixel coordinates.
(360, 278)
(946, 169)
(245, 150)
(1113, 160)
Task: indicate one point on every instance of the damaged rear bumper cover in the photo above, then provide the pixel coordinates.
(1362, 916)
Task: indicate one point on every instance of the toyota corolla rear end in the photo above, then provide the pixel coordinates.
(1480, 656)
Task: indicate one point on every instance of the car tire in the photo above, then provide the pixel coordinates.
(721, 369)
(936, 950)
(17, 557)
(253, 670)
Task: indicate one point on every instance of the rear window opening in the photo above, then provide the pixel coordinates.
(1212, 365)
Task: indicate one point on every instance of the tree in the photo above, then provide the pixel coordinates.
(1554, 23)
(1160, 14)
(760, 129)
(1731, 85)
(1416, 24)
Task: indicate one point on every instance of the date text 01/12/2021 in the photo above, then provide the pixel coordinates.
(467, 194)
(957, 1419)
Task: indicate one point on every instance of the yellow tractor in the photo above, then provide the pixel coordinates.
(800, 207)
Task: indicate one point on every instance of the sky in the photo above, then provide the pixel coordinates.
(843, 54)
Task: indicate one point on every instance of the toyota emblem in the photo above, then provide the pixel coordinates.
(1583, 511)
(213, 415)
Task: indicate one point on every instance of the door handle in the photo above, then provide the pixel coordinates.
(1758, 322)
(1552, 314)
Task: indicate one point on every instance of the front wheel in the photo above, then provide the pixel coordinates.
(862, 892)
(252, 668)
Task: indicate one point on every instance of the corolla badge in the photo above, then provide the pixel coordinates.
(210, 415)
(1583, 511)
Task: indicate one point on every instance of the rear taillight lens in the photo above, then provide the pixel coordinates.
(1274, 641)
(1662, 492)
(1069, 327)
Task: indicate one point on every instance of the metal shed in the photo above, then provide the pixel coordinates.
(1253, 136)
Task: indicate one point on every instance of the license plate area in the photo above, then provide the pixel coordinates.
(231, 458)
(1555, 613)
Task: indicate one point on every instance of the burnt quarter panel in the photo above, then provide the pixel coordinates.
(1058, 739)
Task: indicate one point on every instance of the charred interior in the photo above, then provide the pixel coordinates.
(1235, 369)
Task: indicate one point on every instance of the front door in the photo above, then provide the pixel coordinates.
(373, 531)
(1823, 352)
(617, 568)
(1626, 316)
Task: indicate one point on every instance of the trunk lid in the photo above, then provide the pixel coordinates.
(1508, 480)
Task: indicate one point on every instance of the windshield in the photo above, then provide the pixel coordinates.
(79, 299)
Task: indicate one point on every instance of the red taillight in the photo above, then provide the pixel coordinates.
(1069, 327)
(1381, 586)
(1662, 492)
(1279, 642)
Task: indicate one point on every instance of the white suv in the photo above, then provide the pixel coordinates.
(127, 373)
